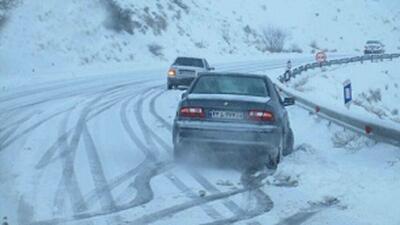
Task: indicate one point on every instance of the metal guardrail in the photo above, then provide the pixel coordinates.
(372, 129)
(300, 69)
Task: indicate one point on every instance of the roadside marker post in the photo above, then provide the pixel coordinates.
(347, 93)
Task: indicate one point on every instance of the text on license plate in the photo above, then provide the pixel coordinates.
(226, 115)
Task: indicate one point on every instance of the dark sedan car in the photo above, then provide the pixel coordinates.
(230, 112)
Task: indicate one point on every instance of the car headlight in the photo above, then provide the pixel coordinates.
(172, 73)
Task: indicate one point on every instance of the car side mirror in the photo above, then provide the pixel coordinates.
(288, 101)
(184, 95)
(211, 68)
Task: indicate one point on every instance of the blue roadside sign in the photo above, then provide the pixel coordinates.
(347, 93)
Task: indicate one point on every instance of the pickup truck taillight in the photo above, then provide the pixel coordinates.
(259, 115)
(193, 112)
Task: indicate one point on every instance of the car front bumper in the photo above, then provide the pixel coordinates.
(221, 135)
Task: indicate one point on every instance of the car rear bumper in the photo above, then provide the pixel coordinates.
(180, 81)
(227, 135)
(374, 52)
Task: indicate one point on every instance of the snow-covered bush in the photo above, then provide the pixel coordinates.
(314, 45)
(119, 19)
(274, 38)
(295, 48)
(5, 6)
(131, 18)
(156, 50)
(8, 4)
(350, 140)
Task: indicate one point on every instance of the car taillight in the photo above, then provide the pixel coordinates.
(171, 72)
(194, 112)
(259, 115)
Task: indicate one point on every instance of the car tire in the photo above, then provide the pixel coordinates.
(274, 160)
(178, 153)
(169, 86)
(288, 148)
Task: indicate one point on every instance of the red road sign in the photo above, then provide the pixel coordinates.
(320, 57)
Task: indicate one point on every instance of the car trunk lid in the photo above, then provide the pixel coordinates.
(226, 107)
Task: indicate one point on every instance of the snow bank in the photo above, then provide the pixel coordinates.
(376, 89)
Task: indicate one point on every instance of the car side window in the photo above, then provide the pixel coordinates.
(206, 64)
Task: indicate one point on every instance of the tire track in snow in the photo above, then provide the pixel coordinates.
(48, 156)
(18, 122)
(172, 210)
(141, 183)
(90, 198)
(99, 179)
(151, 154)
(6, 144)
(69, 182)
(298, 218)
(63, 94)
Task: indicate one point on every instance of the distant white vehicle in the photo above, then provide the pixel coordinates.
(374, 47)
(185, 69)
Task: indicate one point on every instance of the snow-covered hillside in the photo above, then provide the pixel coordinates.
(55, 35)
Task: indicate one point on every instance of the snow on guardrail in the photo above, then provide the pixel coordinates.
(373, 129)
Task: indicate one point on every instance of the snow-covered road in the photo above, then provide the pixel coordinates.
(98, 151)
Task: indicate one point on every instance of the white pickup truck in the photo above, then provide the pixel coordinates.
(184, 70)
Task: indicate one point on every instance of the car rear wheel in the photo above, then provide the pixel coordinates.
(178, 153)
(274, 160)
(169, 86)
(288, 148)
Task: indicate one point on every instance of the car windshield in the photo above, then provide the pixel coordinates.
(189, 62)
(236, 85)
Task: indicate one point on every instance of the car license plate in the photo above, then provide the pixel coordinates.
(227, 115)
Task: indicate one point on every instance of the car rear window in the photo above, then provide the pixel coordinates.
(181, 61)
(236, 85)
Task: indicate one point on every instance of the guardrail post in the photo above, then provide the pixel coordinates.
(372, 58)
(362, 59)
(368, 129)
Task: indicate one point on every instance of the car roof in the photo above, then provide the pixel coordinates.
(263, 76)
(185, 57)
(373, 41)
